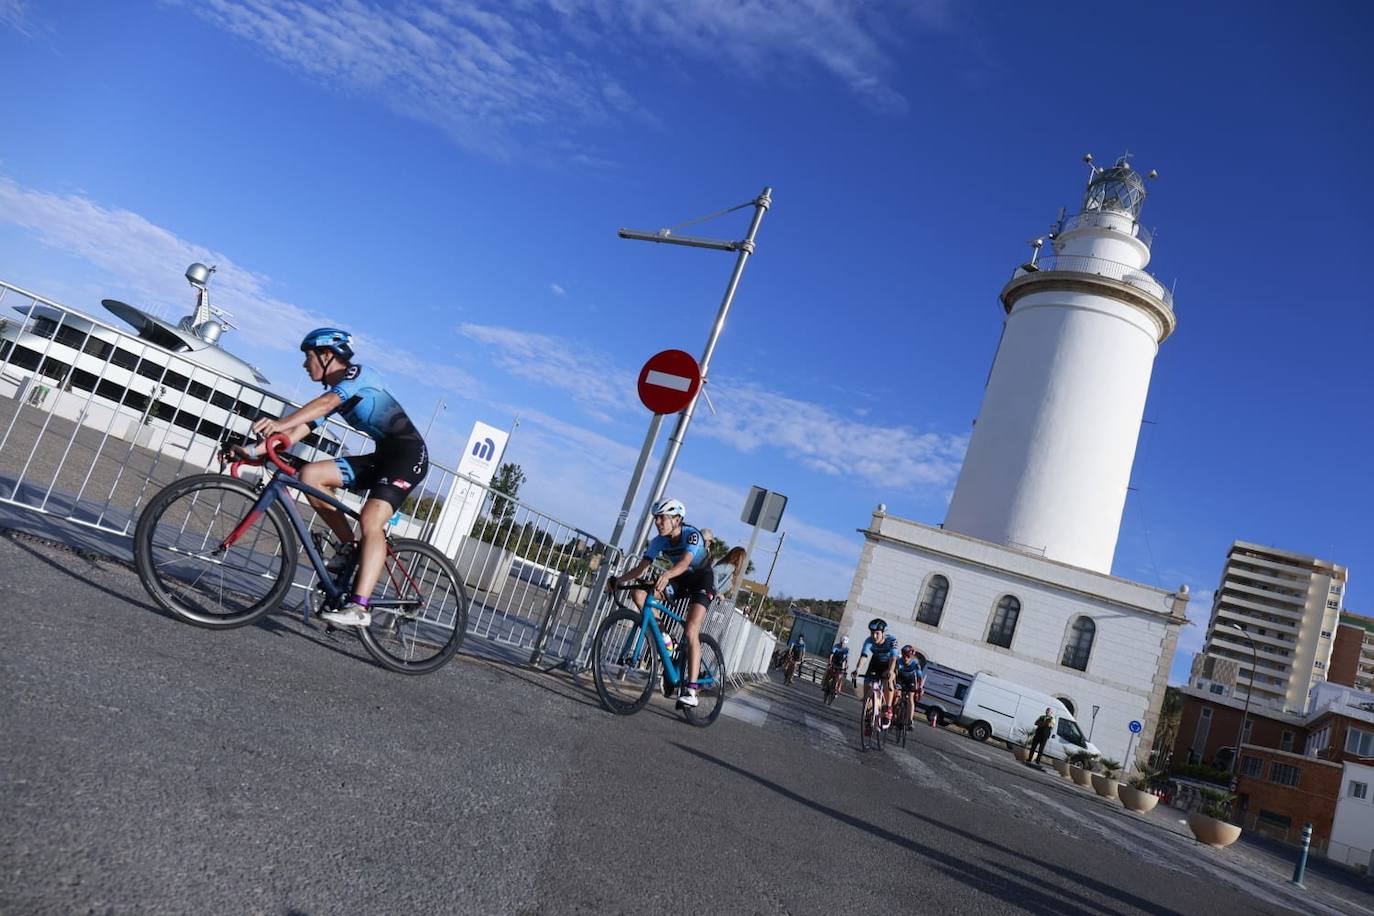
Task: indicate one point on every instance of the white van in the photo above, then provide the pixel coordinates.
(945, 691)
(994, 708)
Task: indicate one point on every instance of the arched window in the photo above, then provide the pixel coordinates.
(1068, 704)
(932, 603)
(1004, 622)
(1080, 643)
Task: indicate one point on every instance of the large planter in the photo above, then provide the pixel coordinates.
(1081, 776)
(1213, 832)
(1104, 785)
(1061, 767)
(1021, 751)
(1136, 800)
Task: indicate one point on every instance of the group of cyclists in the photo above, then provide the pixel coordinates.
(400, 463)
(893, 675)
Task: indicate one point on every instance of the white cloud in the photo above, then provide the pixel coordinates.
(498, 79)
(749, 417)
(146, 259)
(593, 381)
(557, 290)
(14, 14)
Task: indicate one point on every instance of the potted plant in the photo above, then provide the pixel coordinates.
(1061, 766)
(1081, 768)
(1210, 823)
(1135, 794)
(1104, 783)
(1020, 744)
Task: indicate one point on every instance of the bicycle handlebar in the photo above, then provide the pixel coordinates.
(274, 442)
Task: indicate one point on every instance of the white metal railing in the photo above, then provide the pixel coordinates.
(94, 420)
(1107, 219)
(1115, 270)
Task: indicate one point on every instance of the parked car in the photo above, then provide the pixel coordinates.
(995, 708)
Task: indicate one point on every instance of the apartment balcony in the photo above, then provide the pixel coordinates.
(1286, 603)
(1246, 607)
(1297, 586)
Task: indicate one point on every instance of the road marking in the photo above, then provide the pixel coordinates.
(923, 773)
(664, 380)
(748, 709)
(829, 730)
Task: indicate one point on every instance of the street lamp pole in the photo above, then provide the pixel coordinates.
(684, 419)
(1250, 689)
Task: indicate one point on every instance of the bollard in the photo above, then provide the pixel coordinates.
(1302, 858)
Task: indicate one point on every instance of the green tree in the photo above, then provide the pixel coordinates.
(507, 483)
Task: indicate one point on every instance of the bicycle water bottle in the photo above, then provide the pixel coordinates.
(668, 643)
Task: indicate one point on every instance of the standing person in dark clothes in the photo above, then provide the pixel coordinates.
(1044, 727)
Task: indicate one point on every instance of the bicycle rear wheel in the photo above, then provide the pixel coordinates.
(180, 559)
(419, 610)
(624, 663)
(711, 679)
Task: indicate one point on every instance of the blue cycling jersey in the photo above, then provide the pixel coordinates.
(910, 670)
(839, 657)
(689, 542)
(884, 654)
(366, 405)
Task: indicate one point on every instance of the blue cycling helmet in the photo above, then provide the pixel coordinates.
(336, 341)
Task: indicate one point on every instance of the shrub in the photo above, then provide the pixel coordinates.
(1203, 773)
(1217, 804)
(1110, 767)
(1081, 759)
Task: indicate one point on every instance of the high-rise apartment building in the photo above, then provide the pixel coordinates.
(1352, 655)
(1273, 624)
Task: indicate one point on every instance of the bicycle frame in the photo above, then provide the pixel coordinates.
(650, 630)
(275, 490)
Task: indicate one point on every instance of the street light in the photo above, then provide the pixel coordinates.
(1250, 688)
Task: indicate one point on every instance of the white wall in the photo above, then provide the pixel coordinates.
(1136, 624)
(1352, 829)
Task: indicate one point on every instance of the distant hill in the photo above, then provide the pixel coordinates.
(821, 607)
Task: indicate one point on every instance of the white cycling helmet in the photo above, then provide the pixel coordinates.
(670, 507)
(844, 640)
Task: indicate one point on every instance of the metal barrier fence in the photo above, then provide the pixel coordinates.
(94, 420)
(1083, 264)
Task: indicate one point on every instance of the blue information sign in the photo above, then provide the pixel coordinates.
(1135, 727)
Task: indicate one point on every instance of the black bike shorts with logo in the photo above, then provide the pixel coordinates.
(699, 584)
(390, 473)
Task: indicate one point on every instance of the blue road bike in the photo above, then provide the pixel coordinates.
(630, 649)
(219, 552)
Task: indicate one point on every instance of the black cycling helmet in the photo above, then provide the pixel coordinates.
(908, 650)
(338, 342)
(877, 623)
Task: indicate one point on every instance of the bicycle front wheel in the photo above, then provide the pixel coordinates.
(711, 678)
(624, 663)
(419, 610)
(182, 560)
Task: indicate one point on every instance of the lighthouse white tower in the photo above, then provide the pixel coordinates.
(1050, 458)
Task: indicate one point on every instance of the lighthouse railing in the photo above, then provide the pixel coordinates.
(1113, 270)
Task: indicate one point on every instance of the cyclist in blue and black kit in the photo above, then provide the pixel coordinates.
(688, 574)
(882, 666)
(911, 680)
(389, 474)
(839, 663)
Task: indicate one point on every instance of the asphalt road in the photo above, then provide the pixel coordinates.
(149, 766)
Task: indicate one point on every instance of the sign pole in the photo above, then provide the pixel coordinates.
(665, 470)
(649, 439)
(748, 552)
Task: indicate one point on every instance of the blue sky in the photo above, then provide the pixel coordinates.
(447, 179)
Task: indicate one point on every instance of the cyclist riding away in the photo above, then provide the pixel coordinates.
(388, 475)
(881, 667)
(839, 662)
(911, 680)
(689, 574)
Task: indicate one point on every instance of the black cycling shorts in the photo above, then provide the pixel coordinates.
(906, 683)
(877, 671)
(698, 584)
(389, 473)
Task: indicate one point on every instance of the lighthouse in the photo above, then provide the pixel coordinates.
(1049, 461)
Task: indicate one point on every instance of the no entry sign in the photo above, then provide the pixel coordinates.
(669, 381)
